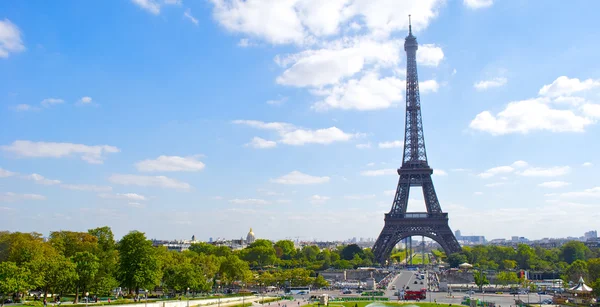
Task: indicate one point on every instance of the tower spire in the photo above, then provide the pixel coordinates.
(409, 26)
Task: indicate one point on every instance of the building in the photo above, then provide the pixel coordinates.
(469, 240)
(590, 235)
(250, 238)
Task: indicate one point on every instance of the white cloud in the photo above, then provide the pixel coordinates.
(297, 177)
(496, 170)
(25, 108)
(478, 193)
(554, 184)
(5, 173)
(587, 164)
(520, 164)
(545, 172)
(171, 164)
(486, 84)
(319, 199)
(148, 181)
(368, 93)
(391, 144)
(343, 59)
(439, 172)
(495, 184)
(136, 205)
(277, 102)
(430, 55)
(127, 196)
(297, 21)
(360, 196)
(85, 101)
(51, 101)
(149, 5)
(363, 146)
(249, 201)
(86, 187)
(292, 135)
(13, 197)
(428, 86)
(39, 179)
(10, 38)
(188, 14)
(591, 110)
(29, 149)
(529, 115)
(261, 143)
(593, 192)
(563, 86)
(379, 172)
(477, 4)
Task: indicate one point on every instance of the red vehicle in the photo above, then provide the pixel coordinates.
(415, 295)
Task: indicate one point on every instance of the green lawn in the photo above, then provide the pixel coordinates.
(363, 304)
(417, 259)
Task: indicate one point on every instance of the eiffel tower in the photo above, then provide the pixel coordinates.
(415, 171)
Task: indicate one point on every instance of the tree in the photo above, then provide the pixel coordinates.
(56, 274)
(350, 250)
(86, 267)
(505, 278)
(13, 279)
(203, 248)
(234, 269)
(525, 255)
(320, 282)
(138, 264)
(509, 264)
(260, 254)
(575, 270)
(593, 266)
(108, 257)
(287, 249)
(182, 274)
(69, 243)
(572, 251)
(456, 259)
(480, 278)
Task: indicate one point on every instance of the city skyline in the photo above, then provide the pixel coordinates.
(175, 117)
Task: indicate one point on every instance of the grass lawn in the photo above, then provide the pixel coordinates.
(417, 259)
(364, 304)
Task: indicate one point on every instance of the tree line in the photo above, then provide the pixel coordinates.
(73, 263)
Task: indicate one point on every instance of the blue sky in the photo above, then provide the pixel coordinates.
(206, 118)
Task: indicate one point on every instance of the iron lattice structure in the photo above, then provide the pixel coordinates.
(415, 171)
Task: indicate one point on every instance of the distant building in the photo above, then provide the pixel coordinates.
(590, 235)
(250, 238)
(469, 239)
(457, 234)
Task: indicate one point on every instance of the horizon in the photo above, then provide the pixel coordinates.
(181, 118)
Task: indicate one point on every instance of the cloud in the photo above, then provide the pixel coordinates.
(127, 196)
(391, 144)
(554, 184)
(5, 173)
(261, 143)
(363, 146)
(51, 101)
(564, 86)
(379, 172)
(486, 84)
(587, 193)
(85, 101)
(149, 5)
(318, 199)
(10, 39)
(249, 201)
(439, 172)
(148, 181)
(477, 4)
(495, 184)
(86, 187)
(277, 102)
(292, 135)
(136, 205)
(545, 172)
(13, 197)
(591, 110)
(188, 14)
(587, 164)
(360, 196)
(297, 177)
(503, 169)
(39, 179)
(529, 115)
(429, 86)
(171, 164)
(25, 108)
(368, 93)
(520, 164)
(91, 154)
(477, 193)
(430, 55)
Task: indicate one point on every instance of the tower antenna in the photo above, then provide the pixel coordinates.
(409, 26)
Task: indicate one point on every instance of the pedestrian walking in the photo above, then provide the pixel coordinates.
(45, 302)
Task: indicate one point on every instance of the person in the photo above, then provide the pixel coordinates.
(109, 300)
(45, 302)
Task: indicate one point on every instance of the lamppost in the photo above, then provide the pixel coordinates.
(219, 296)
(187, 294)
(146, 301)
(87, 299)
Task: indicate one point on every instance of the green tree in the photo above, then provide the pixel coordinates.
(108, 257)
(525, 255)
(575, 270)
(350, 250)
(320, 282)
(203, 248)
(593, 266)
(505, 278)
(55, 274)
(234, 269)
(508, 264)
(572, 251)
(480, 278)
(182, 274)
(69, 243)
(456, 259)
(86, 267)
(260, 254)
(13, 279)
(138, 264)
(287, 249)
